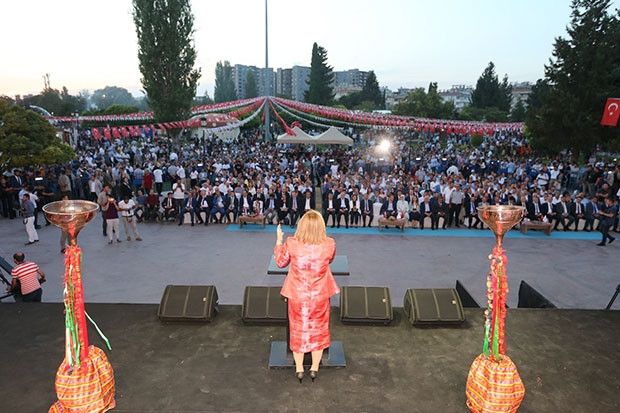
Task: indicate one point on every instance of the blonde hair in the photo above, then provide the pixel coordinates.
(311, 228)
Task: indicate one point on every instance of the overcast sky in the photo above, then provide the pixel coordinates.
(92, 44)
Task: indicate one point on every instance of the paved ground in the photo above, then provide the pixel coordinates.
(572, 273)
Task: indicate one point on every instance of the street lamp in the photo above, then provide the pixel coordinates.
(203, 124)
(76, 115)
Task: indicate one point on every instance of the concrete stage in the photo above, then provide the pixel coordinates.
(568, 360)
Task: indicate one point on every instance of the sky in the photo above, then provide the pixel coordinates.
(408, 43)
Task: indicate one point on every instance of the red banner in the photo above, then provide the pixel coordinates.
(612, 112)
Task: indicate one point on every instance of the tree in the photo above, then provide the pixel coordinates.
(371, 91)
(60, 103)
(251, 90)
(490, 92)
(517, 114)
(165, 30)
(28, 139)
(112, 95)
(426, 105)
(224, 90)
(566, 106)
(320, 90)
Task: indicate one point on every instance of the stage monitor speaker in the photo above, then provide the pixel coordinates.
(433, 307)
(366, 305)
(467, 299)
(188, 303)
(263, 306)
(529, 297)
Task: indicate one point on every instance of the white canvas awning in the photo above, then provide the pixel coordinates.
(300, 137)
(333, 136)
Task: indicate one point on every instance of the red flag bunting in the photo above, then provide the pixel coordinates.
(612, 112)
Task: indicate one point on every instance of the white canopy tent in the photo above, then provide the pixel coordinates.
(333, 136)
(300, 137)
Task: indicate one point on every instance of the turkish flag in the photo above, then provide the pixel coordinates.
(612, 112)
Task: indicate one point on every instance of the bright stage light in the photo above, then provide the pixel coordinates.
(384, 146)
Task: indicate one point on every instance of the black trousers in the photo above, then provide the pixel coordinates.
(605, 232)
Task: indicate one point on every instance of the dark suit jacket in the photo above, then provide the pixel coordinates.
(423, 210)
(341, 204)
(250, 202)
(384, 207)
(302, 203)
(363, 208)
(436, 208)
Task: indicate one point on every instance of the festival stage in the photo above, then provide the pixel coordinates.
(568, 360)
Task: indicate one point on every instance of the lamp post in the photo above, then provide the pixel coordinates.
(267, 122)
(76, 117)
(203, 124)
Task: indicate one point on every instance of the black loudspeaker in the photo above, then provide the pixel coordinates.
(263, 306)
(366, 305)
(188, 303)
(529, 297)
(433, 307)
(466, 298)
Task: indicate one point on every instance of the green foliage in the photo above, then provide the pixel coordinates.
(517, 114)
(27, 139)
(224, 85)
(202, 100)
(476, 140)
(426, 105)
(567, 105)
(165, 30)
(371, 91)
(112, 95)
(251, 90)
(59, 103)
(490, 92)
(319, 91)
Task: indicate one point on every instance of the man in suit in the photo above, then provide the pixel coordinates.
(608, 215)
(169, 206)
(307, 202)
(533, 209)
(440, 210)
(592, 212)
(342, 209)
(218, 207)
(426, 210)
(187, 207)
(329, 209)
(577, 211)
(231, 204)
(271, 208)
(547, 209)
(245, 204)
(471, 209)
(296, 207)
(562, 212)
(366, 209)
(388, 209)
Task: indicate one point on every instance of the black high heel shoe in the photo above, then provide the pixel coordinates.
(313, 374)
(300, 376)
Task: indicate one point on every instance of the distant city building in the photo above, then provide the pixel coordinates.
(350, 78)
(394, 98)
(300, 76)
(240, 73)
(459, 95)
(520, 92)
(284, 82)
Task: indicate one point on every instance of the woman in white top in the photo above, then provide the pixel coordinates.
(402, 208)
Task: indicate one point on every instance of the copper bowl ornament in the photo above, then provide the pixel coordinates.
(493, 383)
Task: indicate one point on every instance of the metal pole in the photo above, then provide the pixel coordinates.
(267, 122)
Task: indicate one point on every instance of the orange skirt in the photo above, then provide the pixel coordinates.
(309, 325)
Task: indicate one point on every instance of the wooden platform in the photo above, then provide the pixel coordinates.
(258, 219)
(392, 222)
(542, 226)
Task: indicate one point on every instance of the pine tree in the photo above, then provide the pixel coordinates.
(320, 90)
(224, 90)
(583, 72)
(489, 93)
(371, 91)
(251, 89)
(165, 30)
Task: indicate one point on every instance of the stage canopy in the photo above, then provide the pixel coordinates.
(333, 136)
(300, 137)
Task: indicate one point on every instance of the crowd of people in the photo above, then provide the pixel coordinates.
(423, 179)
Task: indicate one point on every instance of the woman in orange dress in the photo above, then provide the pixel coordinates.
(308, 286)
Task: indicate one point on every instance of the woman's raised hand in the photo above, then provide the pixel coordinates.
(279, 235)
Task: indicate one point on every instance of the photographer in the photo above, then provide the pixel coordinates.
(25, 273)
(111, 217)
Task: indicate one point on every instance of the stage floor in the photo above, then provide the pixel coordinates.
(568, 360)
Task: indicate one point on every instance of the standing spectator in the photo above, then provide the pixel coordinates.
(178, 194)
(456, 202)
(64, 237)
(6, 198)
(94, 187)
(26, 273)
(127, 207)
(111, 215)
(102, 200)
(64, 184)
(28, 208)
(607, 220)
(147, 181)
(158, 177)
